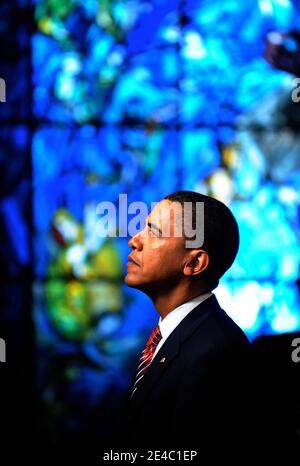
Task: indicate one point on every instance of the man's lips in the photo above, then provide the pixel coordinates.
(132, 261)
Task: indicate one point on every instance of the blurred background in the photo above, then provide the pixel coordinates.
(139, 97)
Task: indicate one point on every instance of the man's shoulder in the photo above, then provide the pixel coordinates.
(227, 329)
(215, 328)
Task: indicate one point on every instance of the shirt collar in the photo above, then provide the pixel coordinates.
(168, 324)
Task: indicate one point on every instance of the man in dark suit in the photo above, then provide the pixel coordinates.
(190, 390)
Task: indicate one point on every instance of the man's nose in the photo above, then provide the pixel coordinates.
(136, 242)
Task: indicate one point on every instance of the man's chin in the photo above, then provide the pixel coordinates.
(130, 281)
(134, 282)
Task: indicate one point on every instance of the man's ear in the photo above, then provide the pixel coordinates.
(197, 262)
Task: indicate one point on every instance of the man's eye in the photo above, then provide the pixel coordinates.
(154, 232)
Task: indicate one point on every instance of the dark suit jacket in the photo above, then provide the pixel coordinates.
(195, 393)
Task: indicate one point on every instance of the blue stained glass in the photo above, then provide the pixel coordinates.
(143, 98)
(15, 60)
(201, 158)
(260, 255)
(259, 307)
(149, 25)
(15, 200)
(96, 165)
(151, 66)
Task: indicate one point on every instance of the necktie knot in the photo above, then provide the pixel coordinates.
(154, 338)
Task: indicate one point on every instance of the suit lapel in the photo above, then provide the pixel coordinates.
(159, 365)
(169, 351)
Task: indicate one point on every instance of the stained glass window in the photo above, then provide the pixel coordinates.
(143, 98)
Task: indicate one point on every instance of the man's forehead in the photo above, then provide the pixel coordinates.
(162, 210)
(167, 215)
(177, 220)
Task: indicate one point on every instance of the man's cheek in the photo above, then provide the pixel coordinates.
(160, 243)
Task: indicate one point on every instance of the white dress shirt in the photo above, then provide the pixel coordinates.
(170, 322)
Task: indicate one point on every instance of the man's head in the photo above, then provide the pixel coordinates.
(162, 261)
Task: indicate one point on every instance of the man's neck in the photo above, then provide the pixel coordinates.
(167, 302)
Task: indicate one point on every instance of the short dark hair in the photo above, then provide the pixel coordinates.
(221, 233)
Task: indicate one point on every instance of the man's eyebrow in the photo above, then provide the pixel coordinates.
(153, 226)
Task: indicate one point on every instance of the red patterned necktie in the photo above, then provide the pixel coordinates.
(146, 356)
